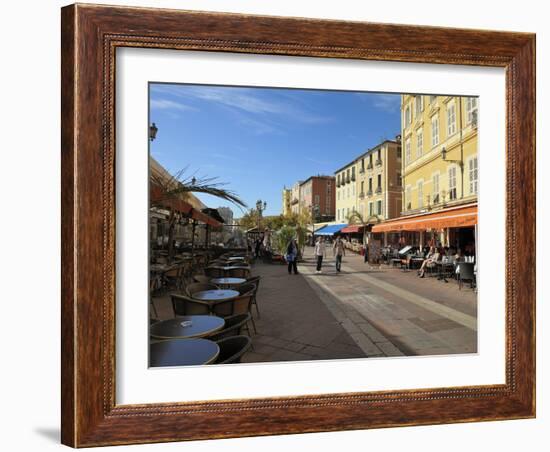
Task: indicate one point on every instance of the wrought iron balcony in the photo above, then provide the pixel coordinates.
(379, 190)
(362, 195)
(369, 193)
(378, 162)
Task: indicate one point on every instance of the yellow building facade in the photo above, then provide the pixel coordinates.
(440, 148)
(440, 174)
(371, 184)
(287, 197)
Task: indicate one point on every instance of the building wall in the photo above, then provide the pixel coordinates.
(295, 198)
(346, 191)
(381, 198)
(438, 122)
(318, 190)
(287, 195)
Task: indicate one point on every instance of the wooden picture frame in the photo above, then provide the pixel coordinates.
(90, 36)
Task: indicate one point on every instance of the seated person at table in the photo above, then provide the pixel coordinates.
(432, 257)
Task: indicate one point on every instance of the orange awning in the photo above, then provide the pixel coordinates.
(457, 217)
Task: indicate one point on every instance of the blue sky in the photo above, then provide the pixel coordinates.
(257, 140)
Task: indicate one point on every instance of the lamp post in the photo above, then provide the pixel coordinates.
(260, 208)
(153, 129)
(460, 164)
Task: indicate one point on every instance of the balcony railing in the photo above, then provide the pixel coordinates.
(378, 162)
(379, 190)
(347, 179)
(369, 166)
(361, 170)
(369, 193)
(353, 177)
(362, 195)
(294, 201)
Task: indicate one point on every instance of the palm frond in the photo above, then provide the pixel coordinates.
(178, 185)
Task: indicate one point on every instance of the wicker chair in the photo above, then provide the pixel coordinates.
(237, 273)
(201, 279)
(245, 288)
(213, 272)
(198, 287)
(235, 306)
(256, 281)
(233, 327)
(184, 305)
(232, 349)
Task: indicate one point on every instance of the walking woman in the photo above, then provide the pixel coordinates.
(319, 252)
(291, 255)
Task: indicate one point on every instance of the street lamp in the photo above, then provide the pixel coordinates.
(460, 164)
(260, 208)
(153, 129)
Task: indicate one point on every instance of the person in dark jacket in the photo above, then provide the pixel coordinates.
(291, 256)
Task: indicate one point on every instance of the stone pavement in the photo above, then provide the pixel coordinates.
(360, 312)
(413, 315)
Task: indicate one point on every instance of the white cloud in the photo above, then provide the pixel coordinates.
(165, 104)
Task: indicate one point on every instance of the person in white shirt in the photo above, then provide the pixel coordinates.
(320, 252)
(338, 251)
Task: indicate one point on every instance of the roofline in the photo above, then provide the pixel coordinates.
(317, 177)
(365, 153)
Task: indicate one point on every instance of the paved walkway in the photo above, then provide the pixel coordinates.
(380, 306)
(360, 312)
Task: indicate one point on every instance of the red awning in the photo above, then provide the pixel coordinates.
(206, 219)
(352, 229)
(456, 217)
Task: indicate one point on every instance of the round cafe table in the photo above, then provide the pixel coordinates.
(215, 295)
(183, 352)
(235, 258)
(228, 282)
(186, 327)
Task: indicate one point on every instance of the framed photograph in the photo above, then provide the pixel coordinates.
(282, 225)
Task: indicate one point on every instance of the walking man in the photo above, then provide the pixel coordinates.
(319, 253)
(338, 251)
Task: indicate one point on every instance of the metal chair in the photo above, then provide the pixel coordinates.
(465, 273)
(256, 281)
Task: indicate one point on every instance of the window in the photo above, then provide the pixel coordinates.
(370, 183)
(353, 173)
(408, 197)
(451, 119)
(435, 130)
(348, 192)
(379, 181)
(399, 179)
(407, 118)
(435, 188)
(371, 211)
(419, 187)
(362, 187)
(432, 99)
(471, 109)
(353, 190)
(408, 150)
(419, 143)
(379, 207)
(452, 182)
(472, 171)
(418, 104)
(338, 195)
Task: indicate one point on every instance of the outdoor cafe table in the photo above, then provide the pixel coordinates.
(183, 352)
(444, 269)
(186, 327)
(228, 282)
(215, 295)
